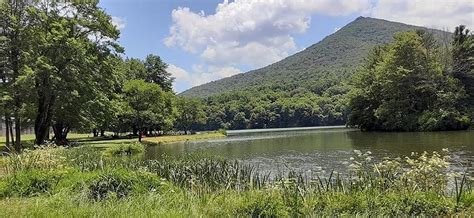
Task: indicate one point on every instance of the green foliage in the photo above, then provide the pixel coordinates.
(402, 87)
(156, 72)
(152, 70)
(269, 204)
(463, 63)
(337, 54)
(309, 88)
(29, 183)
(414, 186)
(278, 106)
(119, 183)
(128, 149)
(151, 106)
(190, 114)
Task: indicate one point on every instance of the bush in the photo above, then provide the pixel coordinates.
(120, 183)
(29, 183)
(443, 120)
(126, 149)
(263, 205)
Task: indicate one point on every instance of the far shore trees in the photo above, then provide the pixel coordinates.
(463, 64)
(402, 87)
(151, 107)
(190, 114)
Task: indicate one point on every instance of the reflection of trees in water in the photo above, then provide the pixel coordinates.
(399, 144)
(411, 141)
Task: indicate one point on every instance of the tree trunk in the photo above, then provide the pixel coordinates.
(43, 118)
(11, 132)
(102, 133)
(60, 133)
(140, 133)
(17, 133)
(7, 131)
(95, 133)
(135, 131)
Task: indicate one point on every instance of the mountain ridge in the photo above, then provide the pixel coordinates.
(340, 53)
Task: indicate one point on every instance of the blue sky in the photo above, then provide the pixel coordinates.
(205, 40)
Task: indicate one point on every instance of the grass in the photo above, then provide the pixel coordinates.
(81, 182)
(28, 139)
(31, 137)
(180, 138)
(105, 143)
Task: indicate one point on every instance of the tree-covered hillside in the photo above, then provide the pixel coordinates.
(337, 54)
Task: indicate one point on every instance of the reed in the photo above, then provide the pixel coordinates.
(393, 186)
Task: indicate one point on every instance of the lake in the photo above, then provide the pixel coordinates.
(320, 150)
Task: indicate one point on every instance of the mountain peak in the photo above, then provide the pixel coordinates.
(337, 54)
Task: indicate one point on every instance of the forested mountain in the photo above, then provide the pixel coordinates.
(337, 55)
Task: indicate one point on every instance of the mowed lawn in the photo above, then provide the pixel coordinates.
(29, 138)
(101, 142)
(179, 138)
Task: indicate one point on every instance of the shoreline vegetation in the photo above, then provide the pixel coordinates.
(81, 139)
(84, 181)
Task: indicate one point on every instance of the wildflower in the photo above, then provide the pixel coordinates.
(358, 152)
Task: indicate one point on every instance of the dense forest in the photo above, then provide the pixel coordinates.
(408, 85)
(419, 82)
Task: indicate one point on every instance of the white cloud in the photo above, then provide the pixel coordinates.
(177, 72)
(119, 22)
(200, 74)
(255, 33)
(440, 14)
(213, 73)
(251, 32)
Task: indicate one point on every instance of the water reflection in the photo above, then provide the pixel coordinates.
(320, 150)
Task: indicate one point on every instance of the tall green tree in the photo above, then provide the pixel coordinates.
(156, 72)
(190, 114)
(402, 88)
(135, 69)
(73, 42)
(463, 62)
(15, 40)
(151, 106)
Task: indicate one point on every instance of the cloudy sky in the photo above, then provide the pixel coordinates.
(205, 40)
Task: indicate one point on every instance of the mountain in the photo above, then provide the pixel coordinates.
(337, 54)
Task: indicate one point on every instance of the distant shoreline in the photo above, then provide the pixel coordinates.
(240, 131)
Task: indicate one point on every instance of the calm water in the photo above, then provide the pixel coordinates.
(321, 150)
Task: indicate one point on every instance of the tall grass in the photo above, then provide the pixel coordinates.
(394, 186)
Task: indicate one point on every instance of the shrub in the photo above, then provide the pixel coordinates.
(443, 120)
(126, 149)
(259, 204)
(29, 183)
(41, 158)
(84, 158)
(121, 183)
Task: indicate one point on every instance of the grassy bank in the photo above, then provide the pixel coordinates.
(84, 181)
(31, 137)
(180, 138)
(107, 142)
(28, 139)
